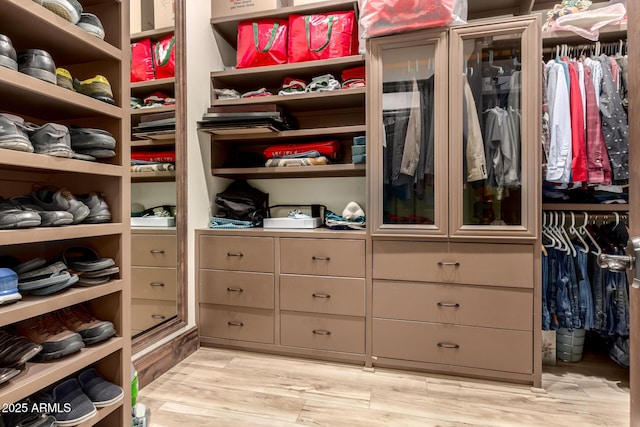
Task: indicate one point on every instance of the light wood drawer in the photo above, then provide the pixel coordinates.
(153, 250)
(153, 283)
(327, 295)
(333, 333)
(146, 313)
(237, 288)
(494, 349)
(456, 304)
(243, 324)
(237, 253)
(323, 257)
(469, 263)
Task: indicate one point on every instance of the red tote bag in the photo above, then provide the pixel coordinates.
(262, 42)
(322, 36)
(142, 61)
(165, 57)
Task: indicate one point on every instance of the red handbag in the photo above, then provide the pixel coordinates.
(142, 61)
(262, 42)
(329, 149)
(322, 36)
(165, 57)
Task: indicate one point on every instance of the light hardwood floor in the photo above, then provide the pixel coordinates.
(218, 387)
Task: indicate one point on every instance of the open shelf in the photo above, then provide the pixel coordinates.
(143, 111)
(21, 161)
(252, 138)
(140, 89)
(38, 376)
(161, 176)
(609, 32)
(152, 34)
(343, 98)
(588, 207)
(65, 41)
(31, 306)
(339, 170)
(39, 234)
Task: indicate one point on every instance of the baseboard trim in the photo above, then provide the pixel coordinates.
(157, 362)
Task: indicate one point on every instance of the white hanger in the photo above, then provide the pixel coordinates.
(555, 227)
(574, 231)
(546, 232)
(584, 231)
(563, 231)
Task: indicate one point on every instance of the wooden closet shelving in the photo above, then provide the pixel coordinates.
(41, 102)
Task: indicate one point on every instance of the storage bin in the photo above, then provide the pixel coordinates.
(358, 149)
(221, 9)
(569, 344)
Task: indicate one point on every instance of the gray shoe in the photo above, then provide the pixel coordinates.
(98, 153)
(49, 218)
(52, 139)
(61, 200)
(99, 210)
(91, 24)
(86, 138)
(12, 216)
(8, 57)
(14, 133)
(68, 9)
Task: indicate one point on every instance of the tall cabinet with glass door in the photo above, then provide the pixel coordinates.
(453, 127)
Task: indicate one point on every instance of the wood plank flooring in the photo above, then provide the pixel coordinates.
(220, 387)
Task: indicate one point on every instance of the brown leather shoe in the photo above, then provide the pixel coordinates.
(56, 340)
(79, 319)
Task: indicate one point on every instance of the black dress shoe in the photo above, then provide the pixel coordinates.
(37, 63)
(8, 56)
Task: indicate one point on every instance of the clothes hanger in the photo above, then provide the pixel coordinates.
(583, 230)
(547, 233)
(574, 232)
(563, 230)
(555, 226)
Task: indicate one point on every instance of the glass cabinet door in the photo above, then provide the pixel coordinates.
(407, 115)
(494, 128)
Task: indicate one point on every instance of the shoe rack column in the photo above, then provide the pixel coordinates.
(29, 25)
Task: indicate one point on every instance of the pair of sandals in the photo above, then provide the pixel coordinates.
(15, 352)
(78, 264)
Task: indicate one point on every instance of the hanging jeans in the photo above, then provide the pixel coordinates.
(546, 317)
(563, 292)
(585, 298)
(574, 293)
(598, 292)
(621, 302)
(611, 282)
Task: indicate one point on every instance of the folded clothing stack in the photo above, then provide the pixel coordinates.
(353, 78)
(153, 161)
(303, 154)
(359, 150)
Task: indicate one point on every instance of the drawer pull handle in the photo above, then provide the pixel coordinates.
(235, 290)
(321, 332)
(158, 316)
(235, 323)
(321, 258)
(321, 295)
(240, 254)
(156, 284)
(448, 304)
(157, 251)
(446, 345)
(443, 263)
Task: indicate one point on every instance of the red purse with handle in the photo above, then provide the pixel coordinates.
(262, 42)
(322, 36)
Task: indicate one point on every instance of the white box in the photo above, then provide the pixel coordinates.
(292, 222)
(164, 14)
(222, 8)
(153, 221)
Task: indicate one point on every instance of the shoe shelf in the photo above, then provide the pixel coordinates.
(30, 25)
(160, 176)
(39, 376)
(15, 161)
(31, 306)
(40, 234)
(25, 95)
(100, 415)
(65, 41)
